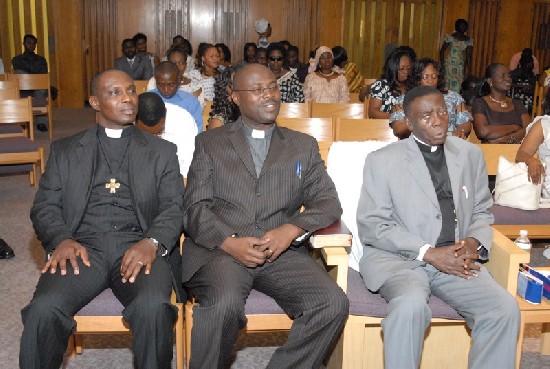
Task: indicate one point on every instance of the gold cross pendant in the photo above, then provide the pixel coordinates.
(112, 185)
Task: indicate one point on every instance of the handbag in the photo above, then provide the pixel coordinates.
(513, 188)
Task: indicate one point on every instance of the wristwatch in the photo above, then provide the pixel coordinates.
(160, 248)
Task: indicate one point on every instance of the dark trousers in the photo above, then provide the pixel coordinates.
(48, 319)
(300, 286)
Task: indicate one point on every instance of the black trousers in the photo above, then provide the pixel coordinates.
(300, 286)
(48, 319)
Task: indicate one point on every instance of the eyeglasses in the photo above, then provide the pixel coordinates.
(276, 58)
(429, 76)
(261, 90)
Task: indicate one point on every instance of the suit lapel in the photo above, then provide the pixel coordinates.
(241, 146)
(276, 147)
(455, 168)
(419, 171)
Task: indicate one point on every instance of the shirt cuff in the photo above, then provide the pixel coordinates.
(422, 252)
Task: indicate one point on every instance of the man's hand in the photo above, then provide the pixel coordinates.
(67, 250)
(244, 250)
(455, 259)
(280, 239)
(470, 246)
(142, 253)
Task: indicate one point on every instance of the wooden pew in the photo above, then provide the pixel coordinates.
(363, 130)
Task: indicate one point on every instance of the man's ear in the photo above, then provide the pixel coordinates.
(94, 103)
(409, 123)
(235, 99)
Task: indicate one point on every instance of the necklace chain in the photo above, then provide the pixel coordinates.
(502, 103)
(327, 74)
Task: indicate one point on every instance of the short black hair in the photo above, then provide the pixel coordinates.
(128, 40)
(415, 93)
(151, 109)
(94, 84)
(32, 37)
(340, 55)
(176, 49)
(277, 46)
(139, 36)
(293, 48)
(416, 74)
(460, 21)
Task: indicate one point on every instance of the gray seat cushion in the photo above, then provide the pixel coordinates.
(507, 215)
(105, 304)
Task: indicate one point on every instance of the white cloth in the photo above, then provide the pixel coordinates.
(543, 151)
(204, 82)
(345, 167)
(180, 129)
(261, 25)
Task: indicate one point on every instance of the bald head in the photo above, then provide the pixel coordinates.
(242, 76)
(166, 67)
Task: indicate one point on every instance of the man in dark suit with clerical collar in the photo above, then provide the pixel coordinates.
(246, 185)
(108, 210)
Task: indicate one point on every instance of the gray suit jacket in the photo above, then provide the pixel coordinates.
(398, 210)
(224, 196)
(156, 186)
(140, 70)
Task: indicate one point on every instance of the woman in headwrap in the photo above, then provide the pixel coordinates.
(324, 85)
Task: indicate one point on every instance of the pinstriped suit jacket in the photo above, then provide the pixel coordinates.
(225, 196)
(156, 186)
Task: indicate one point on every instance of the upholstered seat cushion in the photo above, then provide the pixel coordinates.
(17, 144)
(15, 168)
(259, 303)
(6, 128)
(105, 304)
(365, 303)
(507, 215)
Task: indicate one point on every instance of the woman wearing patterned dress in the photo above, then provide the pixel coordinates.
(324, 85)
(290, 87)
(204, 76)
(355, 79)
(428, 72)
(459, 59)
(392, 84)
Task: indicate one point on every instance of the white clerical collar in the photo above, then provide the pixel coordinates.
(432, 148)
(256, 133)
(113, 133)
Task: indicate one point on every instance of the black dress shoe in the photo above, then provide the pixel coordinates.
(42, 127)
(6, 252)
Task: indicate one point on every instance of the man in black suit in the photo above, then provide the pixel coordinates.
(108, 209)
(246, 185)
(137, 66)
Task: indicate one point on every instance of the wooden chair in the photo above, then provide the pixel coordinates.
(538, 99)
(323, 129)
(349, 111)
(295, 110)
(141, 86)
(354, 98)
(3, 77)
(36, 82)
(361, 344)
(9, 90)
(19, 153)
(262, 312)
(473, 137)
(509, 220)
(363, 130)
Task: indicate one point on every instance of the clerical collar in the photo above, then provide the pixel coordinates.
(115, 133)
(424, 146)
(131, 60)
(256, 133)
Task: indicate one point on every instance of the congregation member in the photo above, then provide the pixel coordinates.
(428, 72)
(289, 85)
(261, 56)
(514, 61)
(458, 59)
(141, 45)
(167, 79)
(498, 118)
(224, 110)
(182, 43)
(324, 85)
(355, 79)
(245, 188)
(295, 65)
(249, 55)
(393, 83)
(428, 239)
(225, 55)
(169, 122)
(523, 81)
(107, 211)
(136, 66)
(537, 141)
(205, 75)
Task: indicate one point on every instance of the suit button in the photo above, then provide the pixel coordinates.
(258, 194)
(438, 216)
(114, 227)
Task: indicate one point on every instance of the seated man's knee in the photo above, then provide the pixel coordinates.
(44, 310)
(410, 306)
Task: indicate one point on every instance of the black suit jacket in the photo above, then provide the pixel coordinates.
(141, 69)
(156, 188)
(224, 195)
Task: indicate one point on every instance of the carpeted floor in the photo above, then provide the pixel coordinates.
(18, 277)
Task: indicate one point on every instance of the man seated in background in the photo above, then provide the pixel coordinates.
(107, 211)
(168, 82)
(424, 220)
(136, 66)
(246, 185)
(169, 122)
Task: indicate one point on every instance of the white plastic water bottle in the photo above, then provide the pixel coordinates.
(523, 241)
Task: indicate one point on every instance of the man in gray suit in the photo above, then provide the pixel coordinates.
(424, 219)
(245, 187)
(137, 66)
(108, 210)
